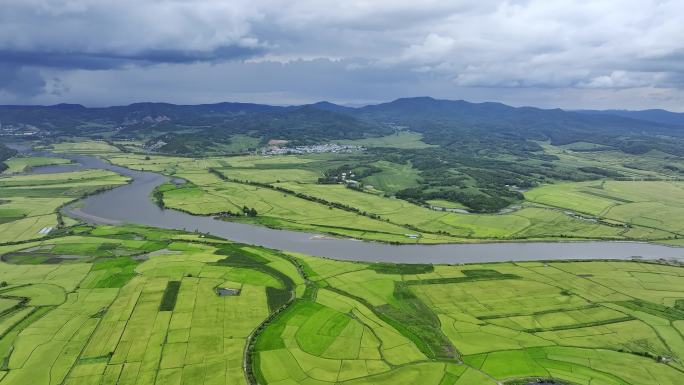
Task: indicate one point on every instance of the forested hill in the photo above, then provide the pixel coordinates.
(657, 116)
(442, 122)
(447, 122)
(469, 153)
(5, 153)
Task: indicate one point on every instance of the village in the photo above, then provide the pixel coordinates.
(313, 149)
(18, 130)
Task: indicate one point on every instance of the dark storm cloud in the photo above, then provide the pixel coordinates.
(575, 53)
(20, 80)
(39, 35)
(110, 60)
(93, 34)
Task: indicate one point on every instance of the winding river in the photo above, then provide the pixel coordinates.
(132, 204)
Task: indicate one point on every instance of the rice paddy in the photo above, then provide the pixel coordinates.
(400, 139)
(650, 204)
(135, 305)
(83, 147)
(25, 164)
(29, 203)
(285, 193)
(106, 313)
(568, 322)
(108, 305)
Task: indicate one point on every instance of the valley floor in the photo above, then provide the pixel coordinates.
(134, 305)
(284, 193)
(106, 305)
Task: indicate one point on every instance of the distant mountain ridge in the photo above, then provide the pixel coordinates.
(413, 108)
(478, 150)
(652, 115)
(442, 122)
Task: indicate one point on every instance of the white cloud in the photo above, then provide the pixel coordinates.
(433, 49)
(433, 46)
(125, 28)
(552, 43)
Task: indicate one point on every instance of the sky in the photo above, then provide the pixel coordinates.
(573, 54)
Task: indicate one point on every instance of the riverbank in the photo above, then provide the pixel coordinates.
(132, 204)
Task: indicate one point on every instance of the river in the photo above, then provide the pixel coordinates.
(132, 204)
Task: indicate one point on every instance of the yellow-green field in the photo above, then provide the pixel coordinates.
(638, 167)
(141, 306)
(400, 139)
(83, 147)
(651, 204)
(393, 177)
(285, 193)
(96, 317)
(28, 203)
(23, 164)
(578, 322)
(446, 204)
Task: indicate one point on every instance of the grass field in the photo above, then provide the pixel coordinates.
(83, 147)
(23, 164)
(578, 322)
(652, 204)
(101, 315)
(135, 305)
(285, 193)
(239, 144)
(393, 177)
(400, 139)
(653, 164)
(28, 203)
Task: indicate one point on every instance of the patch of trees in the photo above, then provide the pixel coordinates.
(217, 173)
(5, 153)
(158, 197)
(476, 202)
(401, 268)
(635, 148)
(249, 211)
(168, 301)
(601, 171)
(359, 171)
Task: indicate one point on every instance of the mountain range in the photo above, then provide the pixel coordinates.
(442, 122)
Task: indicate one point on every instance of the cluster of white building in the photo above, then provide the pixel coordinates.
(314, 149)
(20, 130)
(156, 146)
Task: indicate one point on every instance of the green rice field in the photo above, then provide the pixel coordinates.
(89, 308)
(285, 194)
(26, 163)
(136, 305)
(83, 147)
(119, 305)
(29, 203)
(400, 139)
(650, 204)
(573, 322)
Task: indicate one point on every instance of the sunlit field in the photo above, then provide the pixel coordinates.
(134, 305)
(29, 203)
(285, 192)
